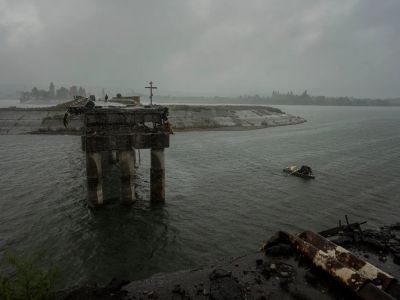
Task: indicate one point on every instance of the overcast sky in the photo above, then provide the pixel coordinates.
(341, 47)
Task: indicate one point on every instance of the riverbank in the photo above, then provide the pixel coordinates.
(279, 271)
(183, 118)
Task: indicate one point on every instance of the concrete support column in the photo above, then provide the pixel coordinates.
(112, 156)
(127, 167)
(94, 175)
(157, 175)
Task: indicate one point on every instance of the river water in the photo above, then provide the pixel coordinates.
(226, 193)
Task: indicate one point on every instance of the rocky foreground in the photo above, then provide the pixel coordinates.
(182, 117)
(279, 271)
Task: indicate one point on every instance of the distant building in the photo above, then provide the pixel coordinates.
(52, 95)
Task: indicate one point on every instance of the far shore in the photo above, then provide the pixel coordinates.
(184, 118)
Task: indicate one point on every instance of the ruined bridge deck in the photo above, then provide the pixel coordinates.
(112, 131)
(125, 116)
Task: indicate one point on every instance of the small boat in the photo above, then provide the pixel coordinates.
(303, 172)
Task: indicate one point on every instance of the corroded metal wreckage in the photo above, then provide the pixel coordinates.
(112, 134)
(366, 280)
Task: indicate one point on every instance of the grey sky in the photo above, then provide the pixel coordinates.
(341, 47)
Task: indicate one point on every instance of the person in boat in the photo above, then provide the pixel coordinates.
(305, 170)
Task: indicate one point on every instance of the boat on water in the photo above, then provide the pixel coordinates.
(303, 172)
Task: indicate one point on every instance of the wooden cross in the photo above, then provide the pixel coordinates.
(151, 87)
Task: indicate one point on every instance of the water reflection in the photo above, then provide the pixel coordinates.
(123, 241)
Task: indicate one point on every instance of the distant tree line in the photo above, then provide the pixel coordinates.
(61, 93)
(304, 98)
(289, 98)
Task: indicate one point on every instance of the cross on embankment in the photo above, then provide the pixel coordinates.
(151, 87)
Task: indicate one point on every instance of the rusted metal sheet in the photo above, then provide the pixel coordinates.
(381, 279)
(353, 272)
(321, 259)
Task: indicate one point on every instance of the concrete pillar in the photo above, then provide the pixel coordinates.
(157, 175)
(94, 175)
(127, 167)
(112, 156)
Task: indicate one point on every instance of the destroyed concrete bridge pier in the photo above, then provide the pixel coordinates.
(113, 134)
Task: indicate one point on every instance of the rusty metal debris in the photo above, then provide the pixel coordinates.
(363, 278)
(78, 106)
(352, 230)
(383, 240)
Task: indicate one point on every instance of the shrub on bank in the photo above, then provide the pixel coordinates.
(28, 281)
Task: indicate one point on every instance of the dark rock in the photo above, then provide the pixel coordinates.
(223, 286)
(219, 273)
(279, 250)
(341, 240)
(396, 258)
(93, 293)
(284, 270)
(284, 274)
(206, 292)
(375, 243)
(178, 290)
(152, 295)
(395, 226)
(266, 272)
(311, 279)
(383, 258)
(284, 281)
(117, 284)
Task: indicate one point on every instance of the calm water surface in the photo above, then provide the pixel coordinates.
(226, 193)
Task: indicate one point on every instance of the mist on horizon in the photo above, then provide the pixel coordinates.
(204, 47)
